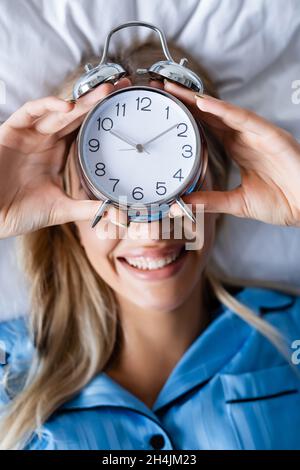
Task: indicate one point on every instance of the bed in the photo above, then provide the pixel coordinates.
(251, 49)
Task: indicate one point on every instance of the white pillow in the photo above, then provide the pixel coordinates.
(251, 50)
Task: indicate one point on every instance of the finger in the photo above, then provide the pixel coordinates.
(67, 130)
(223, 115)
(64, 126)
(119, 220)
(113, 224)
(117, 216)
(188, 97)
(32, 110)
(227, 202)
(235, 117)
(224, 118)
(122, 83)
(156, 84)
(181, 92)
(54, 122)
(67, 209)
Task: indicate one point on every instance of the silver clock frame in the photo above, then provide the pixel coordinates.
(106, 71)
(136, 211)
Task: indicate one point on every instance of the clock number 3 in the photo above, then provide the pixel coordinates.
(187, 151)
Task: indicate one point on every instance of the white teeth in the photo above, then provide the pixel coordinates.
(151, 263)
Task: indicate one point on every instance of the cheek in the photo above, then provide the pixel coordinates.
(209, 227)
(98, 251)
(209, 238)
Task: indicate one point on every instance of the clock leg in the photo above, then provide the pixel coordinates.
(185, 209)
(100, 212)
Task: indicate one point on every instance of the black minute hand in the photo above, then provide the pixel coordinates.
(159, 135)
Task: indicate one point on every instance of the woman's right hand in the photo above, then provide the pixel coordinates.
(34, 143)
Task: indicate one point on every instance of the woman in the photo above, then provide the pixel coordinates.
(112, 357)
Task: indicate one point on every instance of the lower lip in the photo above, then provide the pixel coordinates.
(160, 273)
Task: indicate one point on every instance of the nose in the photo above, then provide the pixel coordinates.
(115, 224)
(156, 230)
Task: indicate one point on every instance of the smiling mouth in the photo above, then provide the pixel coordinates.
(147, 263)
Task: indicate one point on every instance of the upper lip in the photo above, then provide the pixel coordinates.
(154, 252)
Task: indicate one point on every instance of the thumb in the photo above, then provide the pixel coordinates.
(226, 202)
(71, 210)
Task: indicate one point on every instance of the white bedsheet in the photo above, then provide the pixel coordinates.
(250, 47)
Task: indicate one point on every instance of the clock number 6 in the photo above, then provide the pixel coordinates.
(137, 193)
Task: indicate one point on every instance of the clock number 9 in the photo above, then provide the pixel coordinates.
(94, 145)
(137, 193)
(187, 151)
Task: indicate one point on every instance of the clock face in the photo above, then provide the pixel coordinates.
(140, 143)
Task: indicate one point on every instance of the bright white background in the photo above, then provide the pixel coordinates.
(251, 49)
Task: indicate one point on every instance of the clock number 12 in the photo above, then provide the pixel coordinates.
(147, 103)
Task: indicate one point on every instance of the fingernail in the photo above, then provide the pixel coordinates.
(119, 224)
(71, 104)
(175, 212)
(201, 101)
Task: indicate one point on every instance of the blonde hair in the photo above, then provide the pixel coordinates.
(74, 314)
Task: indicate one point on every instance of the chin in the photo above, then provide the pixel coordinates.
(165, 296)
(161, 304)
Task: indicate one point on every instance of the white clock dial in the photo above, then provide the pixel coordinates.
(142, 143)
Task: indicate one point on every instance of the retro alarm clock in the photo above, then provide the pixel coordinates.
(140, 149)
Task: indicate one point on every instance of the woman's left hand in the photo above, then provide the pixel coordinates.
(268, 158)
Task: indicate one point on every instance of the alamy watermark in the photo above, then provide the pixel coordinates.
(296, 92)
(296, 354)
(164, 228)
(2, 352)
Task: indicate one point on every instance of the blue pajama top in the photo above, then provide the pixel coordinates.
(231, 389)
